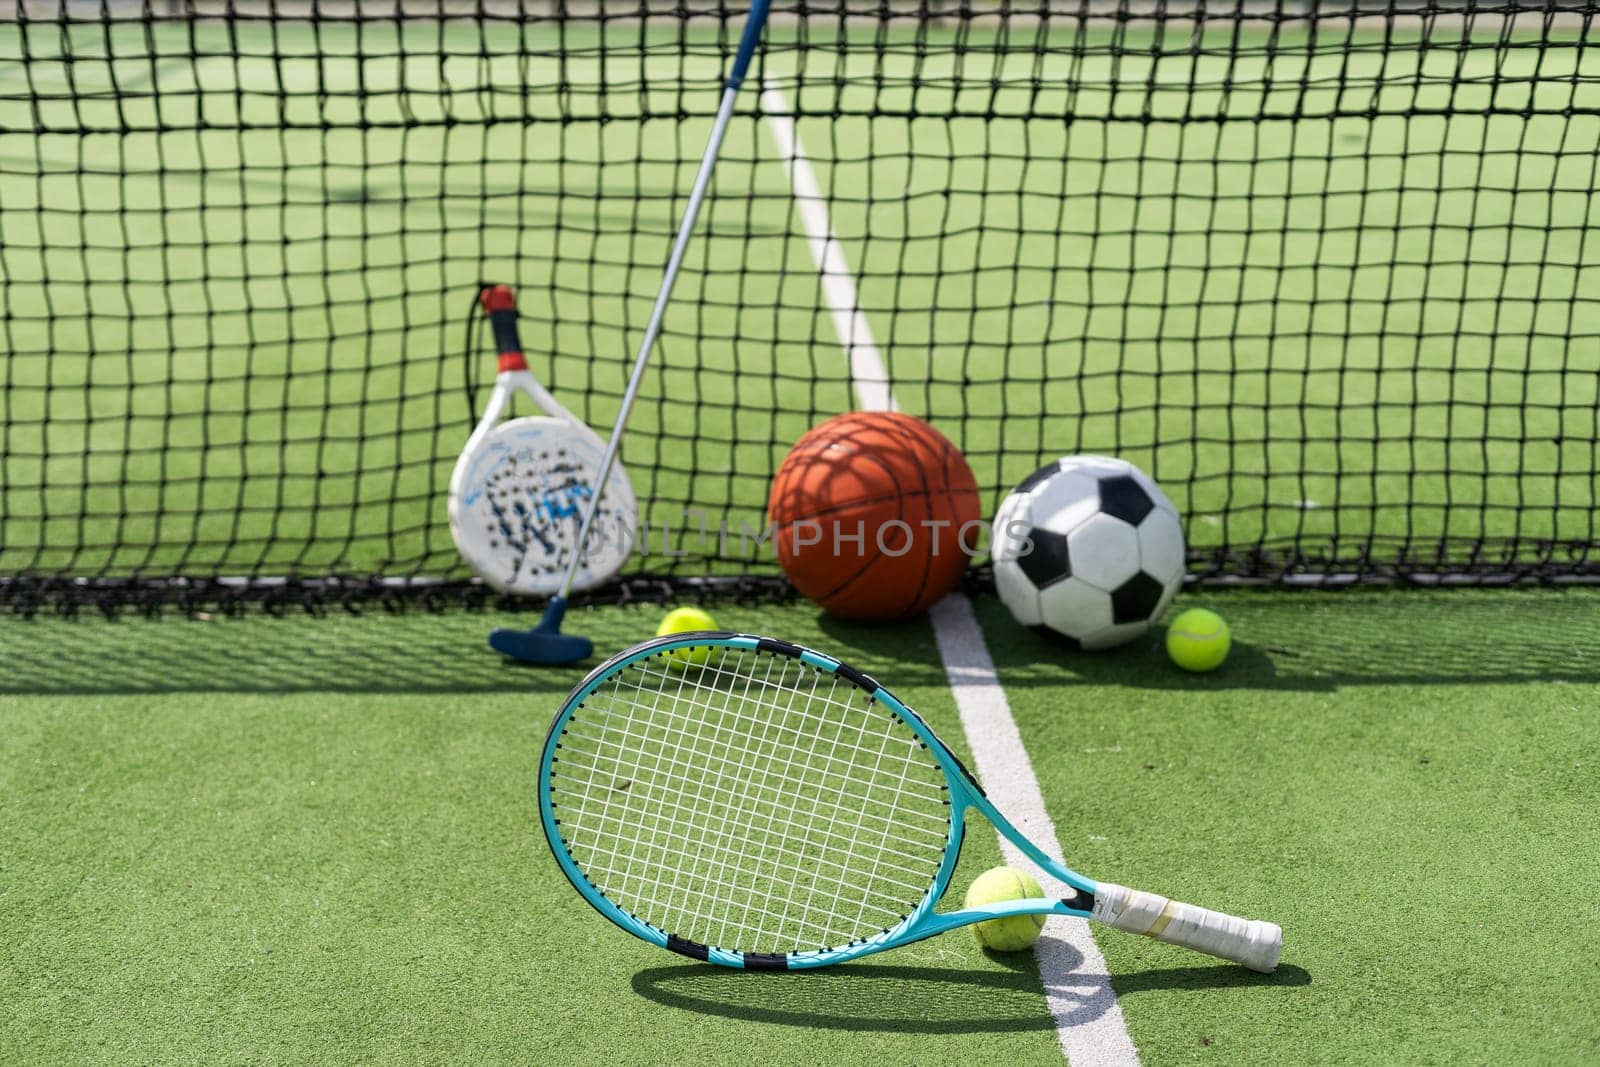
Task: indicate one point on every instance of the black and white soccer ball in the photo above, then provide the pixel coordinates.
(1088, 550)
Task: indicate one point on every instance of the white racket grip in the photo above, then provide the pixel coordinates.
(1251, 942)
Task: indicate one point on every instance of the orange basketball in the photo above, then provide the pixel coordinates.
(876, 514)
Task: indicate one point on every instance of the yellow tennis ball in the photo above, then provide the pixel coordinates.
(1198, 640)
(1015, 932)
(686, 620)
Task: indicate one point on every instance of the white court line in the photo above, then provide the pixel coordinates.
(1088, 1018)
(1077, 987)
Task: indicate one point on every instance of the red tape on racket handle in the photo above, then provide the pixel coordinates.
(1251, 942)
(501, 307)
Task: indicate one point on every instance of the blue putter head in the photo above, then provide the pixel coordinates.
(545, 644)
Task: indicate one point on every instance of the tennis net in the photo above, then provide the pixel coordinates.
(1329, 272)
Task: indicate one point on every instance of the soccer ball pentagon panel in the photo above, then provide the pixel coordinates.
(1088, 550)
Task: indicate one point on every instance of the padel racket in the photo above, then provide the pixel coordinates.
(771, 808)
(520, 488)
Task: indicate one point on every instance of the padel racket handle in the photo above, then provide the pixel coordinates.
(501, 307)
(1250, 942)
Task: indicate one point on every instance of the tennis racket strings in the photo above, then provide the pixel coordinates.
(752, 803)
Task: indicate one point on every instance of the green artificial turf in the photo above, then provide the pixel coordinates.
(231, 304)
(1406, 782)
(296, 840)
(289, 839)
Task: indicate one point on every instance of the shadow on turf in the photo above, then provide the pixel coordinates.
(412, 653)
(1218, 976)
(1309, 641)
(851, 996)
(917, 1000)
(1285, 641)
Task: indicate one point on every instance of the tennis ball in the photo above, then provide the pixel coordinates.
(1015, 932)
(1198, 640)
(686, 620)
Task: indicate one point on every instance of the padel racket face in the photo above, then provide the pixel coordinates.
(520, 488)
(760, 805)
(517, 499)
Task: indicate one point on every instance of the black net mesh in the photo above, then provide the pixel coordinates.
(1329, 274)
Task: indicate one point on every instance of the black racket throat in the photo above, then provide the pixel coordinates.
(753, 961)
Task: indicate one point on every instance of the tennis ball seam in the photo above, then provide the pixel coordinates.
(1022, 892)
(1016, 889)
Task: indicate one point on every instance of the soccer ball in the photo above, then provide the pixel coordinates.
(1088, 550)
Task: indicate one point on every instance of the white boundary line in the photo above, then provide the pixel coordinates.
(1076, 984)
(1077, 987)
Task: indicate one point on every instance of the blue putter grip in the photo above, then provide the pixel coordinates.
(747, 43)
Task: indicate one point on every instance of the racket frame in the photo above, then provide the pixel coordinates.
(921, 922)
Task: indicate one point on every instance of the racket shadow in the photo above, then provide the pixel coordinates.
(862, 997)
(892, 998)
(1221, 976)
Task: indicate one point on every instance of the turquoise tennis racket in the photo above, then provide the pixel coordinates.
(755, 804)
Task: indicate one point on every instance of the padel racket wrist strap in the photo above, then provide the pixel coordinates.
(1251, 942)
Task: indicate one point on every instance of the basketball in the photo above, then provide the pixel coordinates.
(875, 515)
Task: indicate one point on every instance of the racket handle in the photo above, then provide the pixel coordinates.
(1251, 942)
(500, 304)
